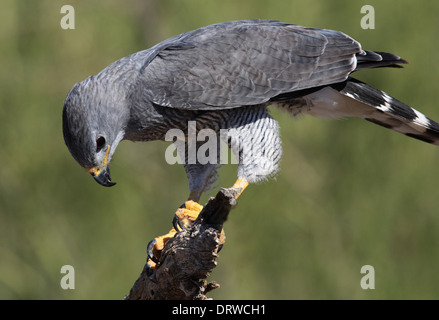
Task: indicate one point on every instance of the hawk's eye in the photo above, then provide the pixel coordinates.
(100, 143)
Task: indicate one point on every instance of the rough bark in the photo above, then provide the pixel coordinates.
(189, 257)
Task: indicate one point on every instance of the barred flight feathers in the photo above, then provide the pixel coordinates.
(391, 113)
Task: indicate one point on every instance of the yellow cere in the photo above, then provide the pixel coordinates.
(95, 171)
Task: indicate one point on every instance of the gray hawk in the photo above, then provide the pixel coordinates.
(225, 76)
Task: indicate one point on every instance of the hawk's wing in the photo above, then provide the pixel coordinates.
(247, 62)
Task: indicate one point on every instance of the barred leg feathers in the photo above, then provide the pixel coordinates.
(254, 140)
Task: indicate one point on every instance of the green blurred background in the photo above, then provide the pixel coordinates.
(349, 193)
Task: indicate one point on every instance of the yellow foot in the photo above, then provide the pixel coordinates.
(186, 215)
(183, 218)
(155, 248)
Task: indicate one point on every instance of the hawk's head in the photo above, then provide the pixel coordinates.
(94, 122)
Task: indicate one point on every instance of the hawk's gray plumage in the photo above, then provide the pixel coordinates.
(224, 76)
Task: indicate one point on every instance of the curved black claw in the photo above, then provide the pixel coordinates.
(148, 271)
(150, 252)
(177, 224)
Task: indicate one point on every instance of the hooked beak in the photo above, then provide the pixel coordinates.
(102, 175)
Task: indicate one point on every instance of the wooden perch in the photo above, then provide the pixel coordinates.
(189, 257)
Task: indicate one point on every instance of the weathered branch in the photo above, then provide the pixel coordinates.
(189, 257)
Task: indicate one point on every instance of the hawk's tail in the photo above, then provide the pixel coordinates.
(375, 59)
(378, 107)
